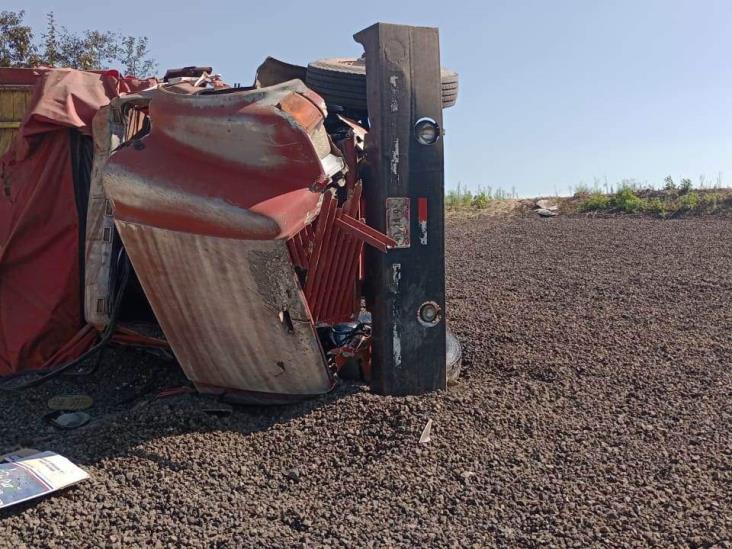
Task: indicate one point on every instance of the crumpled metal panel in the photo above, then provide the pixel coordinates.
(204, 206)
(230, 309)
(111, 125)
(246, 165)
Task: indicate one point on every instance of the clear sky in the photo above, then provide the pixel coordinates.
(552, 93)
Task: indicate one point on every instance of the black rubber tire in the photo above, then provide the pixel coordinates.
(342, 81)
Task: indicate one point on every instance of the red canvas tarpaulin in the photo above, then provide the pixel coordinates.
(41, 319)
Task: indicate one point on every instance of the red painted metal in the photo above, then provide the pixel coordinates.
(352, 148)
(330, 250)
(20, 77)
(360, 230)
(277, 150)
(422, 209)
(323, 263)
(338, 283)
(207, 206)
(332, 265)
(327, 211)
(351, 300)
(422, 220)
(321, 274)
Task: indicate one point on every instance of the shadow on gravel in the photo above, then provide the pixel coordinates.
(127, 414)
(127, 411)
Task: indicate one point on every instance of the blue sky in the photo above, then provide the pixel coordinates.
(553, 93)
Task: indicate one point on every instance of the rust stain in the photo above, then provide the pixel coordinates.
(205, 206)
(221, 317)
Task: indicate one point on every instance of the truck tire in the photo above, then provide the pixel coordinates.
(342, 81)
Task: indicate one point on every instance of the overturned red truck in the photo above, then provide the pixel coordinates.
(273, 237)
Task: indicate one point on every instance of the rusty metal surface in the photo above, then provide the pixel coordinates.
(222, 303)
(273, 71)
(205, 205)
(398, 220)
(99, 224)
(250, 166)
(112, 125)
(361, 231)
(330, 256)
(325, 253)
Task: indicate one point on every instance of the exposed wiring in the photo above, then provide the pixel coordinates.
(88, 371)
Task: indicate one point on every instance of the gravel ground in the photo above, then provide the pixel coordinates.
(594, 410)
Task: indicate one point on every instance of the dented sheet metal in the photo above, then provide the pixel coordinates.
(204, 206)
(236, 165)
(231, 310)
(112, 124)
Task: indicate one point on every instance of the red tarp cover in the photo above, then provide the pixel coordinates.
(41, 321)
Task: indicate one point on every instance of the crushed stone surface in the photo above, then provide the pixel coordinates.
(595, 408)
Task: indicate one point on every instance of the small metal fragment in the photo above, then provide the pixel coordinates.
(426, 433)
(68, 420)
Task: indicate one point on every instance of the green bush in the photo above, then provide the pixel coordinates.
(710, 201)
(596, 202)
(689, 202)
(655, 206)
(627, 201)
(462, 198)
(481, 200)
(685, 186)
(458, 198)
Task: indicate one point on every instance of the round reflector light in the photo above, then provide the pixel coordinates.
(429, 313)
(426, 131)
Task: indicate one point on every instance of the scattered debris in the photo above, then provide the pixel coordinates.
(426, 433)
(545, 204)
(70, 403)
(293, 475)
(36, 475)
(546, 213)
(68, 420)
